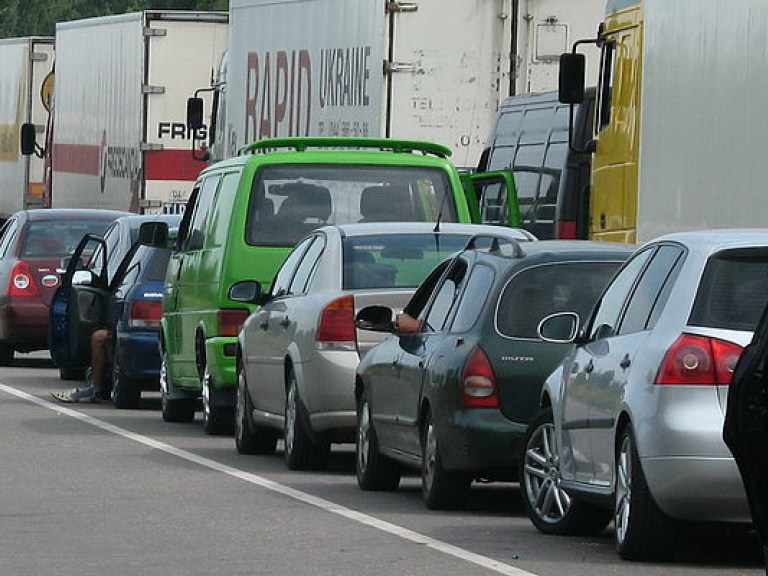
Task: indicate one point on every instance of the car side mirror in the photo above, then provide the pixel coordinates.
(247, 291)
(560, 328)
(375, 319)
(154, 234)
(82, 278)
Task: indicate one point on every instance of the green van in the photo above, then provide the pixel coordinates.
(246, 213)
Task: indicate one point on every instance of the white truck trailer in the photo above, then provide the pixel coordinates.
(26, 86)
(120, 139)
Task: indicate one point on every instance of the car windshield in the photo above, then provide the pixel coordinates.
(537, 292)
(733, 291)
(396, 260)
(289, 201)
(47, 238)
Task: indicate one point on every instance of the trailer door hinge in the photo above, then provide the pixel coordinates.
(397, 67)
(402, 7)
(150, 147)
(149, 89)
(38, 56)
(150, 32)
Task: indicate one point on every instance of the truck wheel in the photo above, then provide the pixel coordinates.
(374, 470)
(442, 489)
(173, 409)
(250, 438)
(550, 508)
(643, 531)
(301, 452)
(126, 391)
(217, 420)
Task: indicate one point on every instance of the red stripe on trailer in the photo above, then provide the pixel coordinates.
(172, 165)
(77, 159)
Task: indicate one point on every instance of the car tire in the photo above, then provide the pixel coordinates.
(643, 531)
(72, 373)
(442, 489)
(217, 420)
(550, 507)
(301, 451)
(250, 438)
(6, 354)
(173, 409)
(374, 470)
(126, 391)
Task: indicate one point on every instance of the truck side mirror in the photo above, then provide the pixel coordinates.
(571, 78)
(28, 139)
(194, 113)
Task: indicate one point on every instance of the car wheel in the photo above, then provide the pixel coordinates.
(126, 391)
(551, 509)
(71, 373)
(442, 489)
(643, 531)
(217, 420)
(374, 470)
(173, 409)
(6, 354)
(249, 437)
(301, 452)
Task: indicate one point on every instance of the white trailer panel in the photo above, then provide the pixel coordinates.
(704, 116)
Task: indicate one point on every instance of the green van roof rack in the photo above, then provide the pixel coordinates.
(301, 144)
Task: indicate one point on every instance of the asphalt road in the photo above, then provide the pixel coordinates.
(91, 490)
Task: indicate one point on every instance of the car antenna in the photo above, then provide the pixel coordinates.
(440, 214)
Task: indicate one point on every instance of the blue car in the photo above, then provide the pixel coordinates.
(136, 306)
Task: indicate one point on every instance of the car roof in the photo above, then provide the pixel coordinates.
(718, 239)
(555, 250)
(378, 228)
(71, 213)
(135, 220)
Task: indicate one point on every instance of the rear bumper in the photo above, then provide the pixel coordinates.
(24, 324)
(139, 354)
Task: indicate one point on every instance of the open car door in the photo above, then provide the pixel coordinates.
(492, 197)
(746, 426)
(79, 307)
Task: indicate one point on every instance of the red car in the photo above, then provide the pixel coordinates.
(32, 246)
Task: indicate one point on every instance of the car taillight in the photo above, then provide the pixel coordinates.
(21, 282)
(336, 327)
(566, 230)
(145, 314)
(699, 360)
(478, 383)
(231, 320)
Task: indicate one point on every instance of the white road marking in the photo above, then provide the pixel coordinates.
(328, 506)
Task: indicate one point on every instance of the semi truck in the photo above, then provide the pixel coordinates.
(26, 84)
(428, 70)
(681, 121)
(119, 135)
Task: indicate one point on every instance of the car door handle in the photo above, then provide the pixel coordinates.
(264, 325)
(589, 367)
(625, 362)
(285, 322)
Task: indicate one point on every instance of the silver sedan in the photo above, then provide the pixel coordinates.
(631, 425)
(298, 352)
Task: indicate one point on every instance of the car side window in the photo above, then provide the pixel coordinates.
(475, 295)
(8, 234)
(446, 296)
(646, 297)
(196, 237)
(282, 281)
(606, 318)
(307, 266)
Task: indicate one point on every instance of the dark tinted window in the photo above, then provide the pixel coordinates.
(197, 227)
(537, 292)
(445, 297)
(283, 277)
(475, 295)
(158, 264)
(307, 266)
(733, 290)
(395, 260)
(647, 294)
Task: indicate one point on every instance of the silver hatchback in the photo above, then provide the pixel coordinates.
(631, 424)
(297, 354)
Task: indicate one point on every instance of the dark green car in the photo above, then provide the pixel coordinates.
(454, 398)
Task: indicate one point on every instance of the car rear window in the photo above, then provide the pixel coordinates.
(395, 260)
(289, 201)
(50, 238)
(733, 290)
(537, 292)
